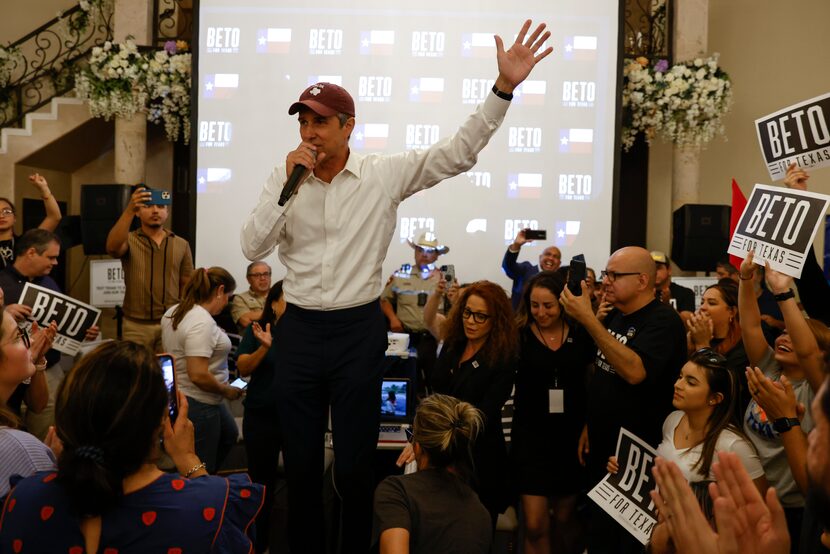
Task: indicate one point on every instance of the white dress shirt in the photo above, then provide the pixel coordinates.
(333, 237)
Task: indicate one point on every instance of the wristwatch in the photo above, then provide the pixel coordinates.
(784, 424)
(780, 297)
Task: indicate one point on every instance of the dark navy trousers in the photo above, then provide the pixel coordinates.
(330, 359)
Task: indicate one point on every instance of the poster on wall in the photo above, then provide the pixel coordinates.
(799, 134)
(779, 225)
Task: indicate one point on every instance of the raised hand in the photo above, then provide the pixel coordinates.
(263, 336)
(516, 63)
(796, 178)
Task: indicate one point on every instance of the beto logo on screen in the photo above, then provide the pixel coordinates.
(524, 139)
(222, 40)
(215, 134)
(421, 136)
(374, 88)
(325, 42)
(513, 226)
(579, 94)
(574, 186)
(428, 44)
(482, 179)
(474, 91)
(410, 226)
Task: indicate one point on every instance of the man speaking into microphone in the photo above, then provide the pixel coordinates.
(333, 234)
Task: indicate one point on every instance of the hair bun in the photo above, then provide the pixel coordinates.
(91, 453)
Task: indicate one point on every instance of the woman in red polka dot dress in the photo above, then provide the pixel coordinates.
(108, 496)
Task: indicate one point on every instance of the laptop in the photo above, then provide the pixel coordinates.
(395, 411)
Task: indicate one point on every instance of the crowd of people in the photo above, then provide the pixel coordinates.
(732, 393)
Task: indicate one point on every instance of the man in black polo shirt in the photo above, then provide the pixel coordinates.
(641, 345)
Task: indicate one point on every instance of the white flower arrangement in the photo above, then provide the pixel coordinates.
(115, 82)
(10, 59)
(685, 103)
(120, 81)
(168, 85)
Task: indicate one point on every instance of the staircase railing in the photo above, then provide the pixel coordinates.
(42, 64)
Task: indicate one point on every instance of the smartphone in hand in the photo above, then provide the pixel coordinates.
(536, 234)
(168, 371)
(576, 274)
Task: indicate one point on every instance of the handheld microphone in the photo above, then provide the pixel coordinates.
(292, 183)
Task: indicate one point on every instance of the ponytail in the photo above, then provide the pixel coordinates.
(446, 428)
(203, 283)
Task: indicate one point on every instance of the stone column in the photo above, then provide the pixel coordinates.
(691, 30)
(132, 18)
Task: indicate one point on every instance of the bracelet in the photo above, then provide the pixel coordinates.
(503, 95)
(194, 469)
(746, 278)
(47, 197)
(41, 366)
(786, 295)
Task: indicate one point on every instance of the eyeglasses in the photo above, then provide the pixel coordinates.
(260, 275)
(710, 356)
(612, 275)
(22, 335)
(478, 317)
(410, 436)
(6, 212)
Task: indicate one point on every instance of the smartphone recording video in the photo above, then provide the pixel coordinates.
(168, 371)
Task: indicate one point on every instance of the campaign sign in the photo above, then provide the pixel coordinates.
(106, 283)
(779, 225)
(73, 317)
(799, 134)
(697, 284)
(625, 495)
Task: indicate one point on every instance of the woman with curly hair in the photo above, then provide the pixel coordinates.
(477, 364)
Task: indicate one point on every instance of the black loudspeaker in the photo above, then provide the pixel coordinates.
(101, 206)
(700, 236)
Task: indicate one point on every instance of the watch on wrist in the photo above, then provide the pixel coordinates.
(781, 296)
(784, 424)
(501, 94)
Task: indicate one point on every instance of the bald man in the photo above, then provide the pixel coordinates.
(641, 347)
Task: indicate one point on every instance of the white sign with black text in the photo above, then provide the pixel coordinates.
(779, 225)
(73, 317)
(625, 494)
(697, 284)
(798, 134)
(106, 283)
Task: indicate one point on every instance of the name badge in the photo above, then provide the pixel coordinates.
(556, 401)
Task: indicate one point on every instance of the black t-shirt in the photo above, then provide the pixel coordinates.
(684, 297)
(441, 513)
(655, 333)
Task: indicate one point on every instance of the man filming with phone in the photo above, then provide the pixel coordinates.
(549, 260)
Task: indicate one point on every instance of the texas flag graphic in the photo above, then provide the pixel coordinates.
(221, 85)
(334, 79)
(377, 43)
(531, 93)
(524, 185)
(273, 41)
(370, 136)
(576, 141)
(426, 89)
(566, 232)
(478, 45)
(580, 48)
(211, 179)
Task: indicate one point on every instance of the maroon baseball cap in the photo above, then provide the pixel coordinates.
(325, 99)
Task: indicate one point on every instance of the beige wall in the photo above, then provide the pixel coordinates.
(777, 54)
(22, 16)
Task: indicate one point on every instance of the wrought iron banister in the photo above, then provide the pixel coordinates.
(42, 64)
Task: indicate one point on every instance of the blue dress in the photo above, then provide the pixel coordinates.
(170, 515)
